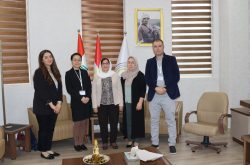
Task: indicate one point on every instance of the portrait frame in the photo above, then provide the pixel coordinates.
(144, 36)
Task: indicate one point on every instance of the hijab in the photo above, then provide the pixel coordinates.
(102, 74)
(129, 75)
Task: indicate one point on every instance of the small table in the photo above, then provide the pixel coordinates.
(246, 139)
(240, 123)
(11, 130)
(118, 158)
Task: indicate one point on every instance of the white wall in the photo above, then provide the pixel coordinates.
(234, 50)
(190, 88)
(53, 25)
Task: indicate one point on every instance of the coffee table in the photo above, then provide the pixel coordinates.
(11, 130)
(118, 158)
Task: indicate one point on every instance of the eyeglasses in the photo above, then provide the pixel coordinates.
(105, 63)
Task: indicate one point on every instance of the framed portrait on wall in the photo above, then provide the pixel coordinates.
(148, 26)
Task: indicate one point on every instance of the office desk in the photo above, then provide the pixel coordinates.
(246, 156)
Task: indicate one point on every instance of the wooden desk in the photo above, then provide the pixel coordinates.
(240, 123)
(245, 103)
(246, 156)
(118, 159)
(11, 130)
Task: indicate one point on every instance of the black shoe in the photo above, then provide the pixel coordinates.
(114, 145)
(84, 147)
(47, 157)
(53, 153)
(155, 146)
(172, 149)
(78, 148)
(130, 144)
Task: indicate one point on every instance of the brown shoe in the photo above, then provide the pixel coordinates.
(114, 145)
(105, 146)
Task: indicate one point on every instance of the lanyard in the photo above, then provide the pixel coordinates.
(79, 77)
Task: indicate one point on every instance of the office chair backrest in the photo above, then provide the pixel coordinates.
(211, 106)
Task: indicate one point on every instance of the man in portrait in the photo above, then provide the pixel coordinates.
(147, 32)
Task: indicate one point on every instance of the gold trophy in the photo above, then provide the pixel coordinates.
(96, 158)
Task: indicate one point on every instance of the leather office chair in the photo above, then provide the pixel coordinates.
(211, 111)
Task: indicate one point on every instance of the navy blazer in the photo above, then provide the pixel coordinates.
(171, 76)
(45, 93)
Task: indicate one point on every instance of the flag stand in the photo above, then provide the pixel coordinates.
(2, 85)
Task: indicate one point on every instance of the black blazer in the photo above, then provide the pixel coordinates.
(138, 89)
(171, 76)
(80, 111)
(44, 94)
(73, 85)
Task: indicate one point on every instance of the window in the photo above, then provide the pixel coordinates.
(14, 41)
(191, 36)
(105, 16)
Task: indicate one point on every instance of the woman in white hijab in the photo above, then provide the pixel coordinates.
(107, 100)
(134, 89)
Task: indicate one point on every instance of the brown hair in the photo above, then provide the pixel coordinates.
(45, 71)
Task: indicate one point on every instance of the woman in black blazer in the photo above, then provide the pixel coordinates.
(134, 89)
(78, 85)
(47, 101)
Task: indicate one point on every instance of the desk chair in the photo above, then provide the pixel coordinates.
(211, 111)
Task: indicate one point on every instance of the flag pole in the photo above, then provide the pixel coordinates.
(2, 85)
(124, 17)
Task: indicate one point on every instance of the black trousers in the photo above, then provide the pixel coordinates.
(108, 114)
(46, 129)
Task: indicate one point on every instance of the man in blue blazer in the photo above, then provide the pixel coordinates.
(162, 76)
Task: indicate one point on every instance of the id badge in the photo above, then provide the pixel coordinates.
(160, 78)
(82, 92)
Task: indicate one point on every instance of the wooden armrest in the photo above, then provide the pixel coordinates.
(33, 121)
(178, 107)
(69, 111)
(68, 104)
(220, 122)
(94, 115)
(1, 133)
(188, 114)
(178, 112)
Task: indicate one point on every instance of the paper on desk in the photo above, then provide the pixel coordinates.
(145, 155)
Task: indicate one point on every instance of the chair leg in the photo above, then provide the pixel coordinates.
(177, 139)
(218, 150)
(194, 148)
(206, 144)
(219, 144)
(192, 142)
